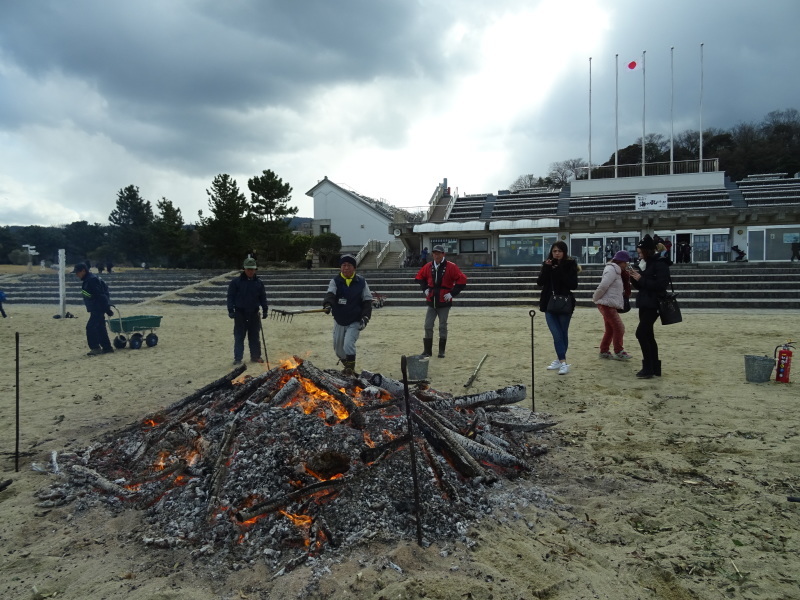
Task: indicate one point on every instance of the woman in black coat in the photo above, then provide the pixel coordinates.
(559, 275)
(651, 282)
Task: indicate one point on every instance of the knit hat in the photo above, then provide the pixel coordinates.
(438, 248)
(348, 258)
(79, 267)
(250, 263)
(646, 243)
(622, 256)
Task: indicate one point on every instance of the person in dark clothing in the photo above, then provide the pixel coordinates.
(795, 251)
(98, 304)
(651, 282)
(109, 266)
(559, 276)
(350, 300)
(441, 281)
(246, 296)
(2, 299)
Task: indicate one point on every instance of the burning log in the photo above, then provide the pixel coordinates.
(275, 503)
(306, 369)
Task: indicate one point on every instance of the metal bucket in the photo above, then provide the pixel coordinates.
(758, 369)
(417, 367)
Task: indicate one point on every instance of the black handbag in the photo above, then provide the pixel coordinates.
(669, 311)
(626, 306)
(559, 305)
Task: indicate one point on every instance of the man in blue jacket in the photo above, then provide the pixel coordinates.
(98, 304)
(246, 295)
(350, 301)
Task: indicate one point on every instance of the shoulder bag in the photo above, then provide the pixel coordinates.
(669, 311)
(626, 307)
(559, 305)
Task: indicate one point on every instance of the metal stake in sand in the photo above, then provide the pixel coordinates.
(532, 313)
(417, 507)
(16, 449)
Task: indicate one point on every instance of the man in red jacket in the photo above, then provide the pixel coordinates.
(441, 281)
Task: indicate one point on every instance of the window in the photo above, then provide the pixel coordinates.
(324, 229)
(478, 245)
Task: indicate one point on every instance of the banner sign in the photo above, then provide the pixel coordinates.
(651, 202)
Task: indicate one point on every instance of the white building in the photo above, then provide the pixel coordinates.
(354, 218)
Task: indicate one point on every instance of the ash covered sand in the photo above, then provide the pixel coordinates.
(668, 488)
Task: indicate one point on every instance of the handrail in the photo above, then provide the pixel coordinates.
(370, 246)
(402, 258)
(708, 165)
(384, 251)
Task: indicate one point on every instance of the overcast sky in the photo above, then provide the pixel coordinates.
(385, 97)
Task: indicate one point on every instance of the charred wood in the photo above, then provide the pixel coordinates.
(508, 395)
(526, 427)
(371, 455)
(100, 481)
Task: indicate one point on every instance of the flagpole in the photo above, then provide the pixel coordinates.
(671, 110)
(590, 118)
(616, 115)
(701, 108)
(644, 102)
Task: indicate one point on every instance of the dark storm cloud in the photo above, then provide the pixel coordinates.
(188, 66)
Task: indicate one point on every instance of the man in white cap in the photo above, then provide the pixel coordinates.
(246, 295)
(350, 300)
(441, 281)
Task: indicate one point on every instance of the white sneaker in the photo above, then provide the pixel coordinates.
(556, 364)
(563, 369)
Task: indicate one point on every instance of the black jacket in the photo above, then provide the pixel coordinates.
(558, 278)
(95, 293)
(247, 295)
(654, 282)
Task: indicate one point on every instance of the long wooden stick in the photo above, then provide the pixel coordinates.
(475, 372)
(411, 444)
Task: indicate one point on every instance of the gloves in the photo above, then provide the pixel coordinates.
(326, 308)
(231, 314)
(109, 312)
(264, 314)
(447, 297)
(427, 291)
(363, 323)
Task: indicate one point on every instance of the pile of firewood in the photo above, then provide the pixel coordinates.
(297, 461)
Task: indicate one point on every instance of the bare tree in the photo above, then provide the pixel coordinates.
(524, 182)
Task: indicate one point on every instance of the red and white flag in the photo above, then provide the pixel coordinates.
(635, 65)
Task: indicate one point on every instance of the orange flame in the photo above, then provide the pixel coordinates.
(318, 402)
(302, 521)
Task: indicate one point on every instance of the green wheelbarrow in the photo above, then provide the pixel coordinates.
(134, 325)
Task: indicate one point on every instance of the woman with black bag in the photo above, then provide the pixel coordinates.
(651, 281)
(558, 277)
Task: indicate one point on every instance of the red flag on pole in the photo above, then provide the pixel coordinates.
(634, 65)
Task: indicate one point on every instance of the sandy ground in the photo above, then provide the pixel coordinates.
(670, 488)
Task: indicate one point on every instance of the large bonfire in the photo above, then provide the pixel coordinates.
(297, 461)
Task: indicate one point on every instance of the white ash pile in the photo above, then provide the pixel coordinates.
(297, 461)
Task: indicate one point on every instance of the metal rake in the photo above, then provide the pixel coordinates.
(288, 315)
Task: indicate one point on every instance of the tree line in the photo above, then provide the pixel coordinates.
(771, 145)
(236, 226)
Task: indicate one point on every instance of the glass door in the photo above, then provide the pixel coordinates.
(701, 248)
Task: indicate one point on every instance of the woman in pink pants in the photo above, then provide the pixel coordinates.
(609, 297)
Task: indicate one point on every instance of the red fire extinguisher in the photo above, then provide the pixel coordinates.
(784, 358)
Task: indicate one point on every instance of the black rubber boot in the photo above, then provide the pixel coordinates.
(428, 343)
(646, 372)
(442, 344)
(349, 365)
(657, 368)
